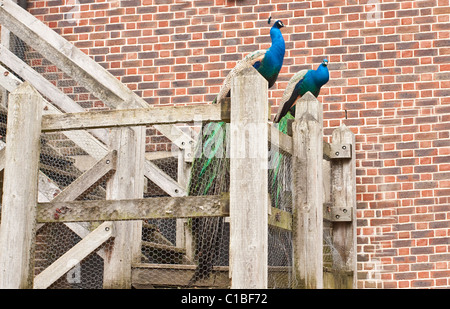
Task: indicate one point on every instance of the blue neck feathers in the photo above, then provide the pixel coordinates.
(321, 75)
(278, 46)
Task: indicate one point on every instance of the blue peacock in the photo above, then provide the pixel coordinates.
(298, 85)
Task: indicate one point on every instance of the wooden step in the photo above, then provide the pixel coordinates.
(149, 276)
(162, 253)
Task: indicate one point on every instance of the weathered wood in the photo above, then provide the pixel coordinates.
(135, 209)
(159, 275)
(336, 151)
(308, 195)
(280, 219)
(184, 238)
(126, 183)
(280, 140)
(343, 198)
(2, 158)
(149, 276)
(248, 180)
(75, 255)
(20, 190)
(337, 279)
(88, 178)
(133, 117)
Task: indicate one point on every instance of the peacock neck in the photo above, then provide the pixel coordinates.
(321, 75)
(278, 46)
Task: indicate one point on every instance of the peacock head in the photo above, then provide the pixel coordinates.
(325, 62)
(278, 24)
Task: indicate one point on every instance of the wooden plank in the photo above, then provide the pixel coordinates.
(248, 180)
(72, 257)
(160, 275)
(149, 276)
(308, 196)
(279, 139)
(132, 117)
(2, 158)
(88, 178)
(83, 139)
(20, 190)
(126, 183)
(280, 219)
(36, 79)
(135, 209)
(343, 197)
(162, 180)
(184, 238)
(336, 151)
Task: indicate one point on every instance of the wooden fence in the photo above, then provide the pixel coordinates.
(323, 174)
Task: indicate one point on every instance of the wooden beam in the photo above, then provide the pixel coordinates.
(279, 139)
(337, 151)
(134, 117)
(39, 82)
(308, 195)
(149, 276)
(20, 190)
(126, 183)
(248, 180)
(88, 178)
(160, 275)
(75, 255)
(280, 219)
(2, 158)
(135, 209)
(343, 198)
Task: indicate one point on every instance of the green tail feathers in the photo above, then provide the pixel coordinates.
(280, 164)
(211, 165)
(210, 168)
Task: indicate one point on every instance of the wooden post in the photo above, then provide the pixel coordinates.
(183, 232)
(20, 189)
(248, 181)
(126, 183)
(308, 194)
(343, 198)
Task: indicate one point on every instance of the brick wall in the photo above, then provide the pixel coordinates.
(390, 83)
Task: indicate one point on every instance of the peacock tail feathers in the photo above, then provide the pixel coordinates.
(279, 175)
(247, 62)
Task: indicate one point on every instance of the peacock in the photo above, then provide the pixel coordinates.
(298, 85)
(210, 168)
